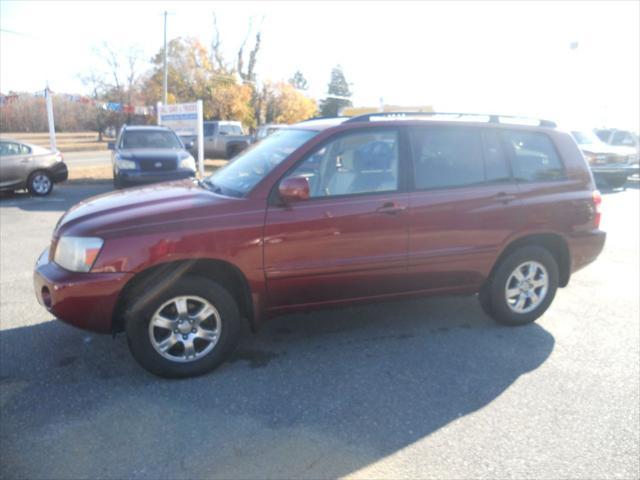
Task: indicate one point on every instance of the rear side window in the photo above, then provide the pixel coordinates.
(447, 157)
(10, 148)
(533, 156)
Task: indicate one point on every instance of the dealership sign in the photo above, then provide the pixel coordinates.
(186, 120)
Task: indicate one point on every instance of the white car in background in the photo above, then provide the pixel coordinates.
(624, 142)
(608, 163)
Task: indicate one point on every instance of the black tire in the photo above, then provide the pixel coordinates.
(493, 297)
(139, 315)
(117, 182)
(40, 183)
(234, 150)
(616, 182)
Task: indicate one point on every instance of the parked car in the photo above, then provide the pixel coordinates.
(149, 154)
(266, 130)
(23, 165)
(620, 138)
(222, 139)
(625, 142)
(607, 163)
(324, 214)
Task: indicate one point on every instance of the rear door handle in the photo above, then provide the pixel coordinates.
(504, 197)
(391, 208)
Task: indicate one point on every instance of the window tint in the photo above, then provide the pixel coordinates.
(446, 157)
(364, 162)
(150, 139)
(24, 149)
(9, 148)
(603, 135)
(209, 129)
(622, 138)
(533, 156)
(254, 163)
(496, 167)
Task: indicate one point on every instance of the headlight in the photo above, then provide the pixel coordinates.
(187, 163)
(125, 164)
(77, 254)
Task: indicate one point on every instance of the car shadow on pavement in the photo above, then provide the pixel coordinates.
(61, 198)
(315, 395)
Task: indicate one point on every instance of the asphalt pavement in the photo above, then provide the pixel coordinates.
(428, 388)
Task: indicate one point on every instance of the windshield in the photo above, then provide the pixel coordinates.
(252, 165)
(586, 138)
(150, 139)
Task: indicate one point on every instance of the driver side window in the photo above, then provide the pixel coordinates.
(357, 163)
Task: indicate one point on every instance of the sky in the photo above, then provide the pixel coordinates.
(484, 57)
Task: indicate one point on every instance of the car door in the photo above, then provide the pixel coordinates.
(209, 133)
(462, 207)
(349, 239)
(224, 130)
(14, 163)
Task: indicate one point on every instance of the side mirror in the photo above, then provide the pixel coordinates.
(111, 145)
(222, 133)
(189, 145)
(293, 189)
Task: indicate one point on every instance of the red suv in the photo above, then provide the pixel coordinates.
(328, 212)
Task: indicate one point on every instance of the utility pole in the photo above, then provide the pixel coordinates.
(164, 96)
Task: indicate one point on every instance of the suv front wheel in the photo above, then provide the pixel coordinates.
(186, 330)
(522, 286)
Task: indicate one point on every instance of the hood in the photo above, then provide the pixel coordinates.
(598, 148)
(163, 203)
(623, 150)
(152, 154)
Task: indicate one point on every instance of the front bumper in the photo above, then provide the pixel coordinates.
(84, 300)
(138, 177)
(617, 170)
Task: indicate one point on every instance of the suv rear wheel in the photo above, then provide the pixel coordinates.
(186, 330)
(522, 287)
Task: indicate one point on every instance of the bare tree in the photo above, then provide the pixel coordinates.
(217, 59)
(95, 81)
(248, 75)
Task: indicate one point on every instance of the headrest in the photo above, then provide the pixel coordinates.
(373, 156)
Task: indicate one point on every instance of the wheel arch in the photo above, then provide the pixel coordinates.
(553, 242)
(164, 274)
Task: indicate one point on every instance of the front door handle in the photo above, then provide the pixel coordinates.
(504, 197)
(391, 208)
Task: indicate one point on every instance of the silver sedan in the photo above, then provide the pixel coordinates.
(29, 166)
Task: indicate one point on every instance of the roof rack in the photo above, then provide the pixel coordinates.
(489, 118)
(324, 118)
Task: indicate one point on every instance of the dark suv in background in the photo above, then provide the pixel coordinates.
(324, 213)
(149, 154)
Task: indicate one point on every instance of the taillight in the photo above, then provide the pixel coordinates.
(597, 200)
